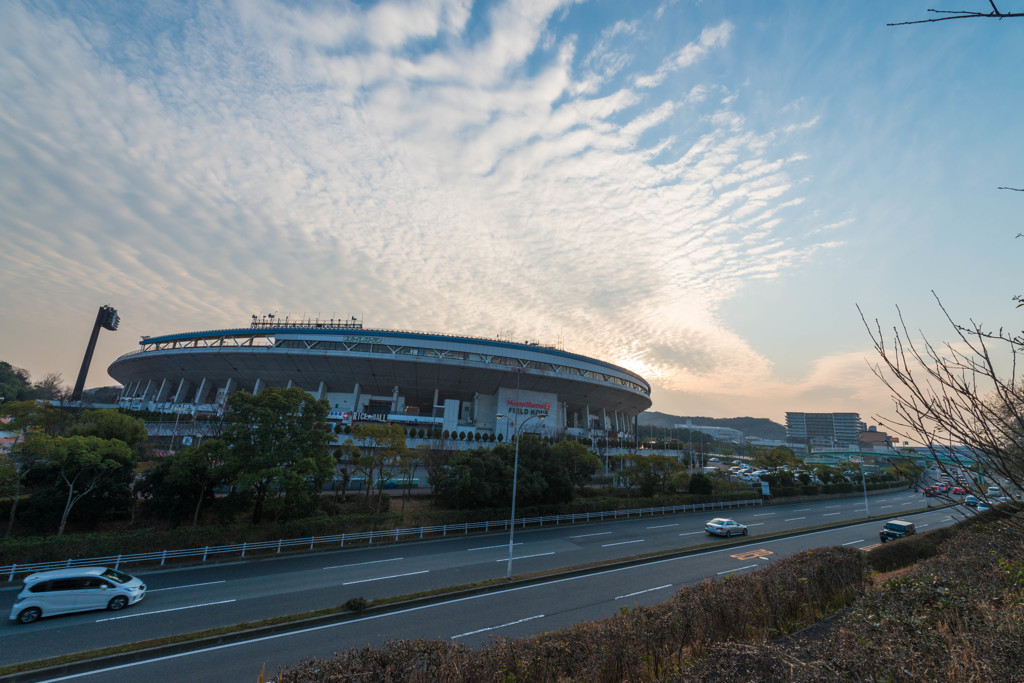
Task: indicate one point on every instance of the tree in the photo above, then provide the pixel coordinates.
(278, 443)
(344, 455)
(775, 458)
(15, 384)
(652, 472)
(15, 467)
(578, 461)
(473, 479)
(962, 399)
(80, 464)
(382, 455)
(112, 424)
(701, 484)
(51, 388)
(198, 469)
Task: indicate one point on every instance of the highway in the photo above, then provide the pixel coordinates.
(188, 600)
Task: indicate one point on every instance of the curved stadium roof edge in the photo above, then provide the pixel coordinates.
(402, 334)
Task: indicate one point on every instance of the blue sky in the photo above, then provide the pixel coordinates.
(702, 192)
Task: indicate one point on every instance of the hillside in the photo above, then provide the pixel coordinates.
(760, 427)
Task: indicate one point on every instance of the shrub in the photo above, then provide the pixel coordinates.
(907, 551)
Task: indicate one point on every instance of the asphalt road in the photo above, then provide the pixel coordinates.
(187, 600)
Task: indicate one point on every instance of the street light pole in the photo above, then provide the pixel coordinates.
(864, 483)
(515, 479)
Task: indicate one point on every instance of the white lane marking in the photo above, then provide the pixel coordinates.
(803, 510)
(524, 557)
(756, 524)
(490, 547)
(833, 506)
(662, 526)
(494, 628)
(609, 545)
(603, 533)
(692, 533)
(191, 585)
(360, 564)
(886, 506)
(910, 503)
(410, 610)
(161, 611)
(829, 514)
(860, 540)
(384, 578)
(649, 590)
(793, 519)
(764, 514)
(921, 526)
(739, 569)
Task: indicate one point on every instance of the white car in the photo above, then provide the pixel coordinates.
(80, 589)
(720, 526)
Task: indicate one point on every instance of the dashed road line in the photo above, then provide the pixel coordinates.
(649, 590)
(384, 578)
(161, 611)
(609, 545)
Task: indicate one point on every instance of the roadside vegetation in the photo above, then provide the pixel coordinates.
(942, 605)
(89, 483)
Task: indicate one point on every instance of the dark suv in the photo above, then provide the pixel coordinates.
(896, 528)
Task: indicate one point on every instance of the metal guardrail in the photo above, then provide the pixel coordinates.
(369, 537)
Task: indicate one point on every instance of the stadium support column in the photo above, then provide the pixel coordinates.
(145, 392)
(161, 393)
(179, 395)
(204, 388)
(355, 398)
(258, 387)
(433, 406)
(320, 390)
(394, 400)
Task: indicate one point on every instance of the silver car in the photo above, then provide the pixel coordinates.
(61, 591)
(720, 526)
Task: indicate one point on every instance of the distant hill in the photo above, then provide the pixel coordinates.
(760, 427)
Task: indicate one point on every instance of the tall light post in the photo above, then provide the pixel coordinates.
(515, 479)
(864, 483)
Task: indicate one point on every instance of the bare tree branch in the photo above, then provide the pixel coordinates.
(961, 399)
(963, 14)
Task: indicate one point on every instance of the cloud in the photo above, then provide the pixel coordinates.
(690, 54)
(414, 164)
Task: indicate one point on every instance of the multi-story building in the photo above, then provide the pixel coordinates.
(823, 429)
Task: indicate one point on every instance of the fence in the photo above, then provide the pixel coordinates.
(161, 557)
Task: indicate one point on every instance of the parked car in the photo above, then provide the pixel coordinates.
(720, 526)
(81, 589)
(896, 528)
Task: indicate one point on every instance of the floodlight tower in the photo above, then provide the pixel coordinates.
(106, 318)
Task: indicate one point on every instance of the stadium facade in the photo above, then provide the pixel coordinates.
(453, 383)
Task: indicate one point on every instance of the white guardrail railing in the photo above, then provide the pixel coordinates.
(9, 571)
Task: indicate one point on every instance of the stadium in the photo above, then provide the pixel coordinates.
(436, 382)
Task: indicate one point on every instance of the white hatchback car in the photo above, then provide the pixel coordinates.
(60, 591)
(720, 526)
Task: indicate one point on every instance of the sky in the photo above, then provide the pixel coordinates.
(701, 192)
